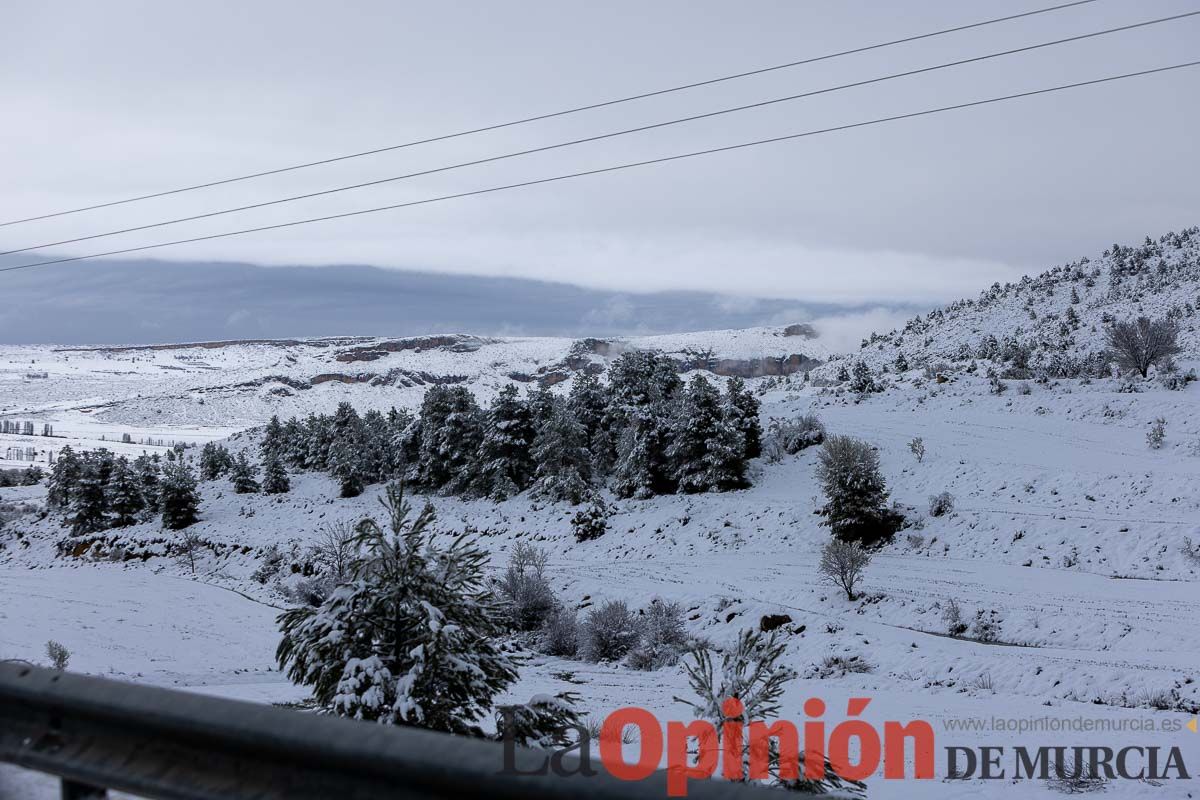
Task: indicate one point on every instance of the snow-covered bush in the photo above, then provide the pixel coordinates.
(526, 592)
(986, 627)
(941, 504)
(1143, 343)
(1157, 434)
(664, 637)
(917, 448)
(856, 508)
(591, 522)
(1191, 551)
(787, 437)
(411, 638)
(609, 632)
(559, 635)
(272, 562)
(843, 563)
(953, 617)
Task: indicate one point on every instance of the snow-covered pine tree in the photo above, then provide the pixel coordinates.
(215, 461)
(588, 400)
(346, 452)
(642, 386)
(376, 440)
(540, 402)
(125, 500)
(451, 431)
(505, 464)
(275, 478)
(318, 438)
(243, 475)
(272, 442)
(412, 638)
(294, 443)
(564, 465)
(89, 506)
(397, 452)
(742, 408)
(861, 379)
(901, 364)
(178, 497)
(856, 494)
(706, 448)
(63, 477)
(148, 478)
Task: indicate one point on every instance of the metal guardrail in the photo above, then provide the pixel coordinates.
(162, 743)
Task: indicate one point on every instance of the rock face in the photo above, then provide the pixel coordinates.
(801, 329)
(454, 342)
(752, 367)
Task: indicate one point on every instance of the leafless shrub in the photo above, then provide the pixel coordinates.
(1191, 551)
(1157, 434)
(1075, 777)
(843, 564)
(917, 448)
(839, 667)
(525, 589)
(1143, 343)
(609, 632)
(953, 617)
(186, 549)
(334, 550)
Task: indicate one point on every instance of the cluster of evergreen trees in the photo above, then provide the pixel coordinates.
(644, 432)
(97, 490)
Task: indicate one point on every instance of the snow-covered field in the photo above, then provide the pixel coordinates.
(1066, 526)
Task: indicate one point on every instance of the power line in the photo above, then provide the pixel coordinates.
(553, 114)
(616, 168)
(599, 137)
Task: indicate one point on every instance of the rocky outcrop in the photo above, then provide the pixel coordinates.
(454, 342)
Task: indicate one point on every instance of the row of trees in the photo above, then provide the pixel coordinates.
(644, 432)
(97, 490)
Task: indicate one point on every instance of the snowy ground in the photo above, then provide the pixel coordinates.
(1067, 526)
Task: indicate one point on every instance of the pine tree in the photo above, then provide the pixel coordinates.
(294, 443)
(178, 498)
(707, 449)
(742, 409)
(243, 475)
(273, 442)
(346, 453)
(450, 431)
(856, 495)
(505, 462)
(564, 465)
(63, 477)
(642, 386)
(215, 461)
(588, 400)
(125, 499)
(861, 379)
(412, 639)
(275, 477)
(901, 363)
(89, 505)
(148, 478)
(376, 440)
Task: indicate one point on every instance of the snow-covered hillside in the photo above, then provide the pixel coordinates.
(1057, 318)
(1068, 540)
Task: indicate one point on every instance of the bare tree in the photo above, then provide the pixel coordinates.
(843, 564)
(1143, 343)
(187, 549)
(334, 549)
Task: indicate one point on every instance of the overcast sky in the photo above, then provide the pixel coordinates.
(104, 100)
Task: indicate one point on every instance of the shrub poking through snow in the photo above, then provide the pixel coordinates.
(856, 508)
(545, 721)
(917, 448)
(941, 504)
(664, 637)
(411, 638)
(59, 656)
(609, 632)
(786, 437)
(839, 667)
(591, 522)
(1157, 434)
(186, 550)
(751, 672)
(986, 627)
(527, 595)
(843, 563)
